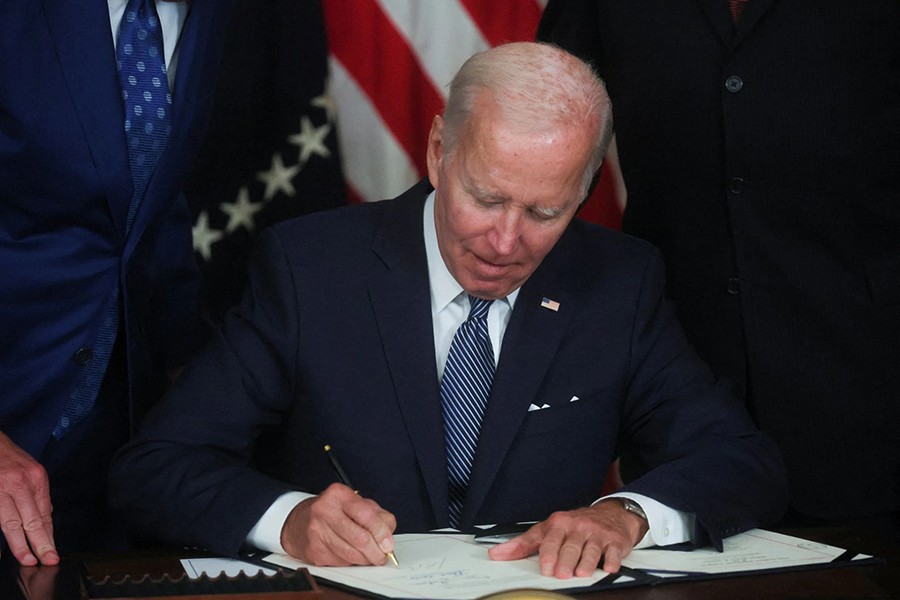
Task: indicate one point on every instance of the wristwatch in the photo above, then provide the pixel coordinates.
(632, 507)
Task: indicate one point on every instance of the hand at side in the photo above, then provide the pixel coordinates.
(25, 509)
(339, 528)
(574, 542)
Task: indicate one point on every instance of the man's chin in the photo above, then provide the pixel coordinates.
(490, 290)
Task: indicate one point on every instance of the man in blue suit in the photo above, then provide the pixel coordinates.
(99, 294)
(348, 331)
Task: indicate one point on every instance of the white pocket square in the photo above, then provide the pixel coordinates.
(536, 407)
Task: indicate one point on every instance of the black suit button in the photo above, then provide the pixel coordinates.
(736, 185)
(734, 84)
(83, 356)
(734, 286)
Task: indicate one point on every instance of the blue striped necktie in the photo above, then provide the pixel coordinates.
(465, 387)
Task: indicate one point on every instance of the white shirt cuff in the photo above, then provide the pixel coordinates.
(266, 534)
(667, 525)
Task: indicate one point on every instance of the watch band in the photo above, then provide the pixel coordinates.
(632, 507)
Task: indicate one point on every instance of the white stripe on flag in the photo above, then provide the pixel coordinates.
(375, 165)
(441, 33)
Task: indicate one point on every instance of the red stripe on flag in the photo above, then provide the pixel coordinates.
(365, 41)
(601, 206)
(501, 22)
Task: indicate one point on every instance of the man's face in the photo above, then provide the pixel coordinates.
(503, 198)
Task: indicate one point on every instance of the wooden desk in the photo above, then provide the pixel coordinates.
(856, 582)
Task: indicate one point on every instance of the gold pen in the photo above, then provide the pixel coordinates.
(342, 475)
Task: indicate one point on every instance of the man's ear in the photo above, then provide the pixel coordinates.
(435, 150)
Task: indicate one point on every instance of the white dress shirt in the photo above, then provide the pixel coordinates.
(449, 308)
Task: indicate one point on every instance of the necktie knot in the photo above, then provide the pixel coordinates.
(479, 307)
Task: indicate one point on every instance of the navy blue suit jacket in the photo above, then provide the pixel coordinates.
(65, 187)
(333, 344)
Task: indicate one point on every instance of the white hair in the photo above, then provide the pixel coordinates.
(535, 86)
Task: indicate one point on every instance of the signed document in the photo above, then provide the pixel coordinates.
(445, 566)
(453, 566)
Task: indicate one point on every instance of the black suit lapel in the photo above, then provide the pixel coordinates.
(400, 296)
(529, 346)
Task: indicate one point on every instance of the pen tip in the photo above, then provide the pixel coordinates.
(393, 559)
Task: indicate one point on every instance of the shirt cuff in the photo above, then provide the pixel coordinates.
(266, 534)
(667, 525)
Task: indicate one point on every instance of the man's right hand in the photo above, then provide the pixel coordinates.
(25, 509)
(338, 528)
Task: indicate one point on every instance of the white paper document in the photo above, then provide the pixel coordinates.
(445, 566)
(753, 550)
(456, 567)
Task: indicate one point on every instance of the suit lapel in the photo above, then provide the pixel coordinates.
(405, 324)
(87, 59)
(529, 345)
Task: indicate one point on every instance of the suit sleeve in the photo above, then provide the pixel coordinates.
(187, 476)
(702, 452)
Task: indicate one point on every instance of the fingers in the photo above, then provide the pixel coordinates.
(339, 528)
(573, 543)
(25, 508)
(519, 547)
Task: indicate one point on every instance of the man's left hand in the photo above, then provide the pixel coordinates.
(574, 542)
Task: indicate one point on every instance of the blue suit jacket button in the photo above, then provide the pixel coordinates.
(83, 356)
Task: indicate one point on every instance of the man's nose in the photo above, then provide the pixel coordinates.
(507, 231)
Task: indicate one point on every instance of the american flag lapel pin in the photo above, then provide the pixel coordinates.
(551, 304)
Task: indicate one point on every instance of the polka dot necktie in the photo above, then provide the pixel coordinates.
(148, 123)
(465, 387)
(145, 93)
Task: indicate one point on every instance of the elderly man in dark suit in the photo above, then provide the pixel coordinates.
(354, 332)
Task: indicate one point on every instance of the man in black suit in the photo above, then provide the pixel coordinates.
(348, 333)
(760, 145)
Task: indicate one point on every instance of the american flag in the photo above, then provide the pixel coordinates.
(551, 304)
